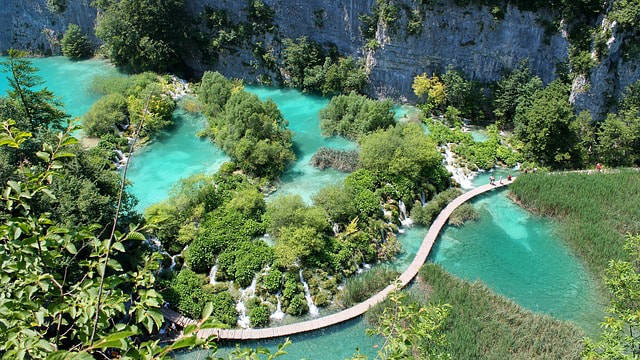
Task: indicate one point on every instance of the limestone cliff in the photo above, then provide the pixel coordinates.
(469, 38)
(29, 25)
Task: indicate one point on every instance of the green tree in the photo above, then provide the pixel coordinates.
(515, 88)
(64, 290)
(105, 115)
(619, 139)
(353, 116)
(254, 134)
(620, 338)
(38, 110)
(299, 55)
(74, 43)
(548, 128)
(142, 35)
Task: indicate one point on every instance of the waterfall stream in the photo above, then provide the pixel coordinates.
(313, 309)
(243, 318)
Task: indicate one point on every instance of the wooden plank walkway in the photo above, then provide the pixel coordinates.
(356, 310)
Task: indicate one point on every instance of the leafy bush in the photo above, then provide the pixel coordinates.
(464, 213)
(57, 6)
(143, 35)
(353, 116)
(298, 306)
(107, 113)
(259, 316)
(74, 43)
(273, 281)
(254, 134)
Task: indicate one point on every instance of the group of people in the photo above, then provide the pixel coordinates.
(492, 180)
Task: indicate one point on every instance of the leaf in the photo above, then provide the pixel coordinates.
(206, 312)
(118, 246)
(43, 156)
(115, 265)
(71, 248)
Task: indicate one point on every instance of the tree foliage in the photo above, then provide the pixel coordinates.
(353, 116)
(142, 35)
(74, 43)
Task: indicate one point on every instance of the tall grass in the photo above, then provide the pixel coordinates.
(484, 325)
(361, 287)
(595, 210)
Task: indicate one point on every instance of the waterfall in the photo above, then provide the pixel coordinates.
(404, 219)
(313, 309)
(212, 274)
(243, 318)
(336, 229)
(122, 159)
(278, 314)
(423, 199)
(456, 173)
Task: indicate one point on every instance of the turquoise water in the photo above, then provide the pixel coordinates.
(69, 80)
(301, 110)
(172, 156)
(179, 153)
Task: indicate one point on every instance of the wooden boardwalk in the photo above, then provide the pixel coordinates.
(356, 310)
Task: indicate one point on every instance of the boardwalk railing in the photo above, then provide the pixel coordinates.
(356, 310)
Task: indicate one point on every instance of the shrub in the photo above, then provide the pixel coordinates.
(259, 315)
(74, 43)
(273, 281)
(464, 213)
(424, 215)
(57, 6)
(201, 254)
(105, 115)
(361, 287)
(353, 116)
(298, 306)
(224, 308)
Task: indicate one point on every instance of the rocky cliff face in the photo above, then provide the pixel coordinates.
(469, 38)
(29, 25)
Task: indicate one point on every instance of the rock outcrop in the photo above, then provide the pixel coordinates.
(468, 38)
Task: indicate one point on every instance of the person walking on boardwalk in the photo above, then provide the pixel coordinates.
(509, 178)
(500, 179)
(492, 180)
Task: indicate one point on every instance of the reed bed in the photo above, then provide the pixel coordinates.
(595, 210)
(484, 325)
(359, 288)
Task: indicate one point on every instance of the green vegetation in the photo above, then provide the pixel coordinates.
(342, 160)
(253, 133)
(354, 116)
(362, 287)
(619, 339)
(74, 43)
(143, 35)
(127, 98)
(310, 68)
(78, 278)
(106, 115)
(406, 160)
(515, 89)
(479, 317)
(411, 330)
(595, 210)
(424, 215)
(465, 212)
(56, 6)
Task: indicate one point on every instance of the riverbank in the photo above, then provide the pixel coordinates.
(484, 325)
(595, 210)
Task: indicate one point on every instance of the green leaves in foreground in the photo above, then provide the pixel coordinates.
(620, 337)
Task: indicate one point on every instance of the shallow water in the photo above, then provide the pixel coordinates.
(518, 255)
(68, 80)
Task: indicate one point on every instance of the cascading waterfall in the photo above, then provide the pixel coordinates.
(313, 309)
(122, 159)
(278, 314)
(457, 173)
(423, 199)
(212, 274)
(243, 318)
(336, 229)
(404, 219)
